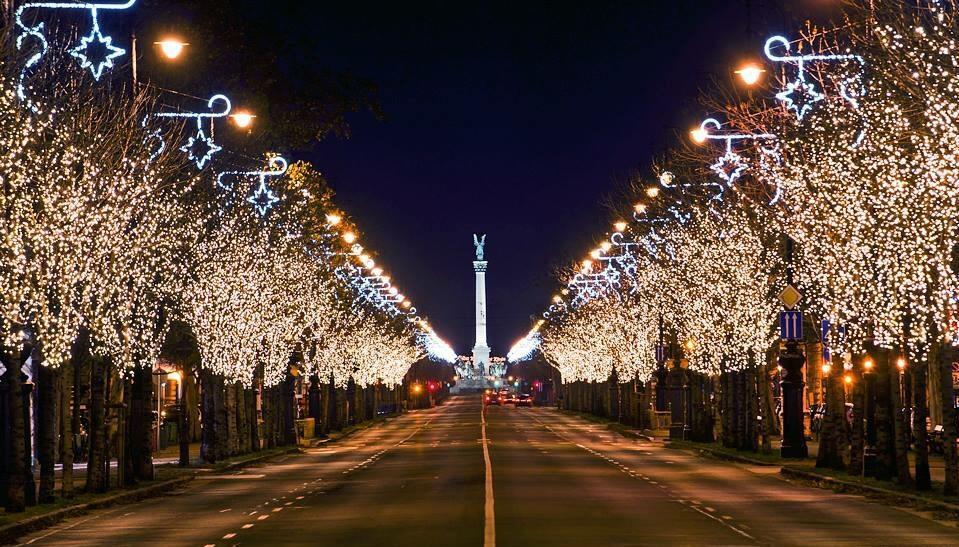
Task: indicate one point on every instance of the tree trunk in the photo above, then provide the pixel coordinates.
(208, 416)
(230, 418)
(289, 410)
(16, 501)
(330, 419)
(948, 400)
(269, 419)
(96, 461)
(46, 431)
(771, 417)
(126, 466)
(858, 420)
(253, 417)
(901, 429)
(242, 417)
(316, 412)
(141, 424)
(919, 399)
(934, 374)
(885, 416)
(350, 396)
(66, 428)
(221, 419)
(766, 410)
(830, 453)
(751, 376)
(191, 401)
(741, 411)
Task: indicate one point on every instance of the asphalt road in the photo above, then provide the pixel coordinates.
(421, 480)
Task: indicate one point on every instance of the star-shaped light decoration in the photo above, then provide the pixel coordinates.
(263, 198)
(799, 96)
(97, 51)
(200, 148)
(729, 167)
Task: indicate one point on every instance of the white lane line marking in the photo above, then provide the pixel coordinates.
(693, 507)
(723, 522)
(229, 536)
(489, 529)
(65, 528)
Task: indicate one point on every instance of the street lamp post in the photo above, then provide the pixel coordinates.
(791, 359)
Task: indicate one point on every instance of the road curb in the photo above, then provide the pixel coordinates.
(825, 481)
(719, 454)
(257, 459)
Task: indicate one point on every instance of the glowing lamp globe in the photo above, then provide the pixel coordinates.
(242, 119)
(750, 73)
(171, 48)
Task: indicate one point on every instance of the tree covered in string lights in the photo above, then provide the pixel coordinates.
(853, 156)
(96, 234)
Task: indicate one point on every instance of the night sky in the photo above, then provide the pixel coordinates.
(507, 119)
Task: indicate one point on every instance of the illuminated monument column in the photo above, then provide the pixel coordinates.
(480, 348)
(479, 371)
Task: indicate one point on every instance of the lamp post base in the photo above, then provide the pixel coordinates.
(794, 439)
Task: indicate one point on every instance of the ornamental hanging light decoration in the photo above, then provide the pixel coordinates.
(800, 95)
(199, 147)
(731, 165)
(95, 51)
(263, 199)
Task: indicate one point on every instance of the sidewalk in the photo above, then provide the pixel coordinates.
(937, 469)
(805, 470)
(169, 476)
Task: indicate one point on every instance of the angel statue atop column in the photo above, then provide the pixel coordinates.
(479, 243)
